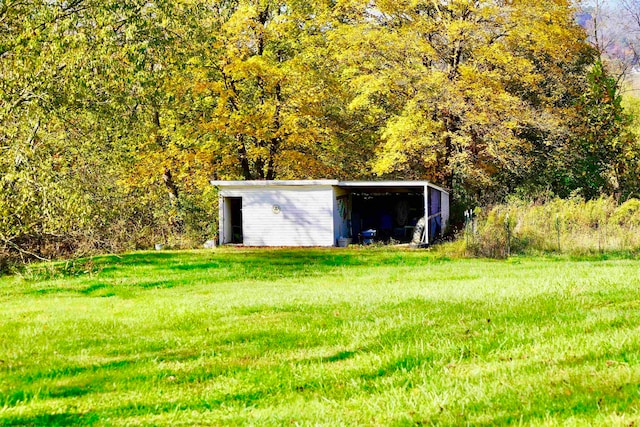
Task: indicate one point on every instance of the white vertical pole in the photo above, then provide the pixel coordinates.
(221, 236)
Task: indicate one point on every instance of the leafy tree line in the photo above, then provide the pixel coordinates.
(114, 115)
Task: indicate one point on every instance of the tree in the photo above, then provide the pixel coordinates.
(598, 159)
(37, 50)
(70, 92)
(470, 92)
(266, 102)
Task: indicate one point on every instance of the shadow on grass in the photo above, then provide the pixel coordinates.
(339, 356)
(293, 258)
(64, 419)
(41, 384)
(156, 270)
(95, 289)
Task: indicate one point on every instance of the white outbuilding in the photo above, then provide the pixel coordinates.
(329, 212)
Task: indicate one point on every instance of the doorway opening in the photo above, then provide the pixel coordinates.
(233, 220)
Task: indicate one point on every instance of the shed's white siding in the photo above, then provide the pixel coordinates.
(286, 216)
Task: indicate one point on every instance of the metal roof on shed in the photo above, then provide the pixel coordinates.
(275, 183)
(328, 182)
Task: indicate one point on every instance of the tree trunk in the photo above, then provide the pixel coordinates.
(170, 185)
(244, 160)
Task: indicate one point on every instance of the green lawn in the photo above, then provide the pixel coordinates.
(321, 337)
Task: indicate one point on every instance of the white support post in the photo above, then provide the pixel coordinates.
(221, 236)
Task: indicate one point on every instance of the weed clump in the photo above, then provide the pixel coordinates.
(573, 226)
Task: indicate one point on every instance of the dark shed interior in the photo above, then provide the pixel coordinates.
(391, 214)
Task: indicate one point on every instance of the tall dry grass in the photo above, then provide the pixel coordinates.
(559, 225)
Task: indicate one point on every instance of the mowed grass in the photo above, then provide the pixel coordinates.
(321, 337)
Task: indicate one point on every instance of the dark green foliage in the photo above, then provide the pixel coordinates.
(595, 164)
